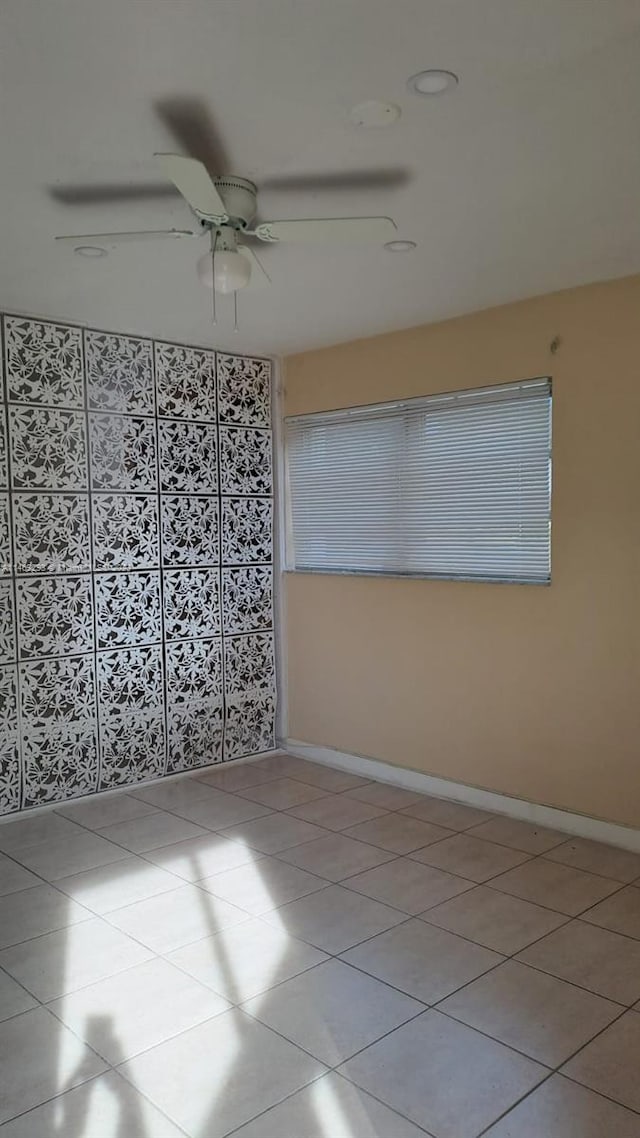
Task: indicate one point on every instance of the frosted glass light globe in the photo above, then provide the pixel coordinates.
(231, 270)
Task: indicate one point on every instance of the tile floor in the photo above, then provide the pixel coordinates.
(282, 950)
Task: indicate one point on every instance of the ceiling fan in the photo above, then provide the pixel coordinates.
(224, 209)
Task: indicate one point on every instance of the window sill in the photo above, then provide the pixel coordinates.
(384, 573)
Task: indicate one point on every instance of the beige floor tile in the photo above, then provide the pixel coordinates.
(178, 793)
(519, 835)
(545, 1018)
(203, 805)
(495, 920)
(284, 766)
(253, 1070)
(39, 1058)
(609, 1064)
(469, 857)
(562, 1109)
(281, 793)
(408, 885)
(13, 1000)
(597, 959)
(620, 913)
(451, 815)
(112, 886)
(23, 832)
(60, 857)
(559, 887)
(444, 1076)
(152, 831)
(234, 776)
(137, 1009)
(264, 885)
(14, 877)
(68, 959)
(334, 919)
(101, 1108)
(332, 1011)
(196, 858)
(421, 960)
(595, 857)
(330, 1108)
(36, 911)
(274, 833)
(226, 810)
(398, 833)
(244, 960)
(337, 812)
(172, 919)
(327, 778)
(385, 795)
(105, 810)
(335, 857)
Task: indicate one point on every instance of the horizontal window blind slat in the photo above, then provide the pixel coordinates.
(454, 485)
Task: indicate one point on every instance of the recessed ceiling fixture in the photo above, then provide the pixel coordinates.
(90, 251)
(374, 113)
(432, 82)
(400, 246)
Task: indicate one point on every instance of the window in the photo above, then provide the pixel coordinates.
(452, 486)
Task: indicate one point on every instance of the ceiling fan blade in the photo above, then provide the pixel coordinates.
(195, 184)
(259, 275)
(105, 193)
(347, 230)
(132, 235)
(372, 179)
(189, 120)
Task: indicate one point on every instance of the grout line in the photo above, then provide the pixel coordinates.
(109, 1069)
(409, 854)
(249, 916)
(558, 1071)
(180, 881)
(559, 912)
(392, 905)
(141, 854)
(511, 1046)
(262, 1113)
(586, 1087)
(516, 1104)
(333, 1069)
(52, 1098)
(347, 876)
(19, 984)
(339, 955)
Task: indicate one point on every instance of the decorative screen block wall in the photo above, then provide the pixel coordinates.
(135, 560)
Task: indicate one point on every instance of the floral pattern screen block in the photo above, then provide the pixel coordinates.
(136, 509)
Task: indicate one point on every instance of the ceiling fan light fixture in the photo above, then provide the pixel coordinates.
(228, 271)
(400, 246)
(90, 251)
(432, 82)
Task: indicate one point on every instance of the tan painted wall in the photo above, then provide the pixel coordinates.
(527, 690)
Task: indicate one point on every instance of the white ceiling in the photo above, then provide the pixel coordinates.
(524, 180)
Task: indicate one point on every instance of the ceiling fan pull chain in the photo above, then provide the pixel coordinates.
(214, 238)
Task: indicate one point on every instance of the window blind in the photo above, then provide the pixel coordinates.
(453, 486)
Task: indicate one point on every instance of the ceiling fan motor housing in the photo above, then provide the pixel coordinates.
(239, 196)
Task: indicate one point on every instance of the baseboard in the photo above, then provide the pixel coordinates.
(47, 807)
(577, 825)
